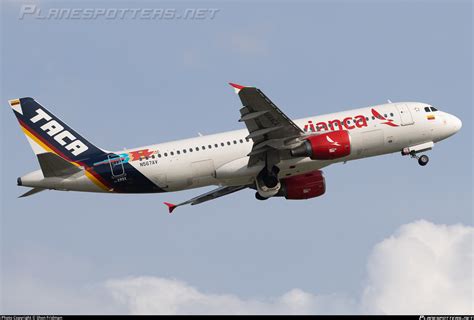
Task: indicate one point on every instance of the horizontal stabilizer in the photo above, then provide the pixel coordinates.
(53, 165)
(31, 192)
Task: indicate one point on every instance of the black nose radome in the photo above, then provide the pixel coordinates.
(18, 181)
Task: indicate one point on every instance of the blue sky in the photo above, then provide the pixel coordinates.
(126, 83)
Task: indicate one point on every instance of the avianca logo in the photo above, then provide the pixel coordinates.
(347, 123)
(334, 143)
(63, 137)
(388, 122)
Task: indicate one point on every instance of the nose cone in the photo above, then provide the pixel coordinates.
(456, 123)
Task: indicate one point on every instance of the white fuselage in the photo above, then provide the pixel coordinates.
(227, 164)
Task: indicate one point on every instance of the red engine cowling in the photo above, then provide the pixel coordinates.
(304, 186)
(326, 146)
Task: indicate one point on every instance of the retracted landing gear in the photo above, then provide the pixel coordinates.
(267, 183)
(270, 177)
(259, 197)
(422, 160)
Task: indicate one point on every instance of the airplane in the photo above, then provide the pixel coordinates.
(274, 155)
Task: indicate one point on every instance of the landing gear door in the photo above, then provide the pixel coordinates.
(116, 165)
(405, 114)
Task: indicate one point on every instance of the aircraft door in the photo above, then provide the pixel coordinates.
(116, 165)
(405, 114)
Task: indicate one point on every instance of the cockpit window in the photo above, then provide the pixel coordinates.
(427, 109)
(434, 109)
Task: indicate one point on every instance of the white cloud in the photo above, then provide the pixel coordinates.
(423, 268)
(151, 295)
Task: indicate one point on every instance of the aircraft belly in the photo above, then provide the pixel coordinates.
(76, 182)
(366, 143)
(186, 175)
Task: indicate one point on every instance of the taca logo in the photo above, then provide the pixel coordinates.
(63, 137)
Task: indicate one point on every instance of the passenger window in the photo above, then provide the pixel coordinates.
(172, 153)
(228, 143)
(241, 141)
(247, 139)
(373, 118)
(209, 146)
(159, 155)
(391, 114)
(203, 148)
(216, 145)
(166, 154)
(222, 144)
(235, 142)
(190, 149)
(184, 150)
(197, 148)
(367, 118)
(427, 109)
(178, 152)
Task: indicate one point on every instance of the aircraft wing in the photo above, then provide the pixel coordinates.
(31, 192)
(269, 128)
(211, 195)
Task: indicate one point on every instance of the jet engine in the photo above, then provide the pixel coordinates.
(304, 186)
(326, 146)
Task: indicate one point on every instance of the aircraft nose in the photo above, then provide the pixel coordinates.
(456, 123)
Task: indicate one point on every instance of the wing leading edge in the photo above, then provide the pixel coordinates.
(211, 195)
